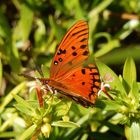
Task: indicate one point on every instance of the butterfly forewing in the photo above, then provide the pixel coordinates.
(72, 51)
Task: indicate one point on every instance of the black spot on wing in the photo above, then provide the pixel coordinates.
(73, 48)
(60, 59)
(83, 71)
(60, 51)
(83, 34)
(84, 39)
(74, 53)
(64, 51)
(79, 32)
(55, 62)
(83, 46)
(73, 75)
(85, 53)
(83, 83)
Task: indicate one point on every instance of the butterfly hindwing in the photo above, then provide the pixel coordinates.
(72, 51)
(82, 85)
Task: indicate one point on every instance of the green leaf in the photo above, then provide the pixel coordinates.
(134, 92)
(110, 78)
(58, 31)
(115, 128)
(8, 134)
(5, 30)
(99, 8)
(9, 49)
(109, 105)
(65, 124)
(40, 36)
(138, 83)
(24, 109)
(119, 55)
(1, 71)
(107, 47)
(75, 4)
(25, 23)
(8, 122)
(9, 97)
(24, 106)
(129, 73)
(28, 133)
(62, 108)
(73, 131)
(93, 22)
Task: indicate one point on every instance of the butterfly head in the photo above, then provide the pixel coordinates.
(45, 84)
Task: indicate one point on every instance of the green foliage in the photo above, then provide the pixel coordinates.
(30, 30)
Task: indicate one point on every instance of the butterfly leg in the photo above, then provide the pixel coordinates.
(50, 89)
(55, 91)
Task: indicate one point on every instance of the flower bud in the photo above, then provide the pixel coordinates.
(46, 129)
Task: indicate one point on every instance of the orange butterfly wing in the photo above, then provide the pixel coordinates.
(67, 74)
(82, 85)
(71, 52)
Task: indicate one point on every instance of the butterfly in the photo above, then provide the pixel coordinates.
(67, 74)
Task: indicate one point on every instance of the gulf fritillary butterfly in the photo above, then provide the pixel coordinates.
(67, 74)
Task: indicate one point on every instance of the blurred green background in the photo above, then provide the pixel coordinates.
(30, 30)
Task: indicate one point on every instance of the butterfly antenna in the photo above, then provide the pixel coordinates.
(38, 69)
(27, 76)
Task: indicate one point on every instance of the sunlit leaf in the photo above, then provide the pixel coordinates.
(28, 133)
(134, 92)
(129, 73)
(24, 25)
(23, 105)
(10, 97)
(62, 108)
(1, 73)
(65, 124)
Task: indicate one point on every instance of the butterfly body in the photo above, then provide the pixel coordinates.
(67, 74)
